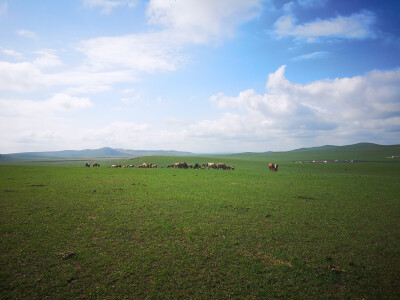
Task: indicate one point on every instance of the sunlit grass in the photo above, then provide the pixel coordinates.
(306, 231)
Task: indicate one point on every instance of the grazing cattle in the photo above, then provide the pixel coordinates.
(131, 166)
(271, 166)
(181, 165)
(221, 166)
(144, 165)
(190, 166)
(87, 165)
(197, 166)
(276, 167)
(171, 166)
(115, 166)
(211, 165)
(230, 168)
(96, 165)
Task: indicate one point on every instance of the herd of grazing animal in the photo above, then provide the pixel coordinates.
(184, 165)
(144, 165)
(218, 166)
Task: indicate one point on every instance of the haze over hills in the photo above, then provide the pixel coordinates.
(107, 152)
(358, 146)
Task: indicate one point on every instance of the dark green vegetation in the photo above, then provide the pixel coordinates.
(308, 231)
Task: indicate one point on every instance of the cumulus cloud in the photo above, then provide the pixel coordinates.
(37, 74)
(341, 108)
(149, 52)
(355, 26)
(204, 19)
(181, 24)
(287, 115)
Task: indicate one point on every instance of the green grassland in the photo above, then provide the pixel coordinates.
(308, 231)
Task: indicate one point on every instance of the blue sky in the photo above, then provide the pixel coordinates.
(198, 75)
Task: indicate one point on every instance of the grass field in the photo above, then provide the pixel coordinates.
(308, 231)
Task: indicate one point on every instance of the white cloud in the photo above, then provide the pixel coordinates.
(204, 19)
(182, 23)
(108, 5)
(118, 134)
(355, 26)
(286, 116)
(124, 134)
(27, 124)
(47, 59)
(20, 77)
(11, 52)
(3, 8)
(58, 103)
(34, 75)
(64, 102)
(28, 75)
(149, 52)
(313, 55)
(27, 34)
(326, 110)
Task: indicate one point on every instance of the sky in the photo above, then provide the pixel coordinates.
(203, 76)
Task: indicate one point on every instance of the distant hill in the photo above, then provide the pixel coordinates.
(360, 151)
(105, 152)
(359, 147)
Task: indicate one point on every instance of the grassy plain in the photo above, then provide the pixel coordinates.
(308, 231)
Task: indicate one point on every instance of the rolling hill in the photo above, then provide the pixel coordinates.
(360, 151)
(358, 147)
(105, 152)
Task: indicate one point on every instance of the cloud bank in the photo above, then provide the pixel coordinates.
(324, 111)
(287, 116)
